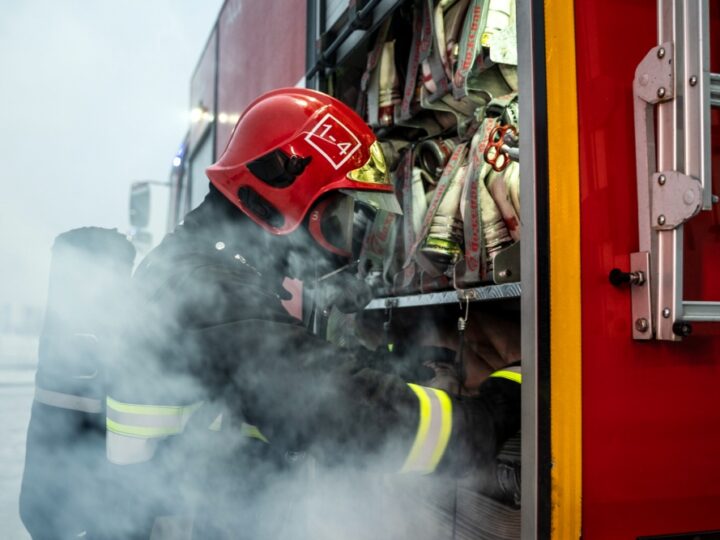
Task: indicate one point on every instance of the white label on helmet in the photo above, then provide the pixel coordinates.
(333, 140)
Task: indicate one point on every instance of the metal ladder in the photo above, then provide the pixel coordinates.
(673, 93)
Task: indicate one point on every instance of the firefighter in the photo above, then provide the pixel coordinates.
(218, 388)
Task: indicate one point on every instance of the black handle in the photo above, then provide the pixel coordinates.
(617, 277)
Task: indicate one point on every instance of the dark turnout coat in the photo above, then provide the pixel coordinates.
(254, 391)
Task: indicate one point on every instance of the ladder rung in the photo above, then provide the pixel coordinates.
(694, 311)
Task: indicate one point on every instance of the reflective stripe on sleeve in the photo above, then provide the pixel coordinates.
(248, 430)
(216, 424)
(433, 431)
(512, 373)
(147, 421)
(67, 401)
(127, 450)
(133, 430)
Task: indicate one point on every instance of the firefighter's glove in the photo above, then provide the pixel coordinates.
(482, 425)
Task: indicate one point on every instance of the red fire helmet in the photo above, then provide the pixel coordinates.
(291, 146)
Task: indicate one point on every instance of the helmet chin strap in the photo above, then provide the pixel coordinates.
(352, 265)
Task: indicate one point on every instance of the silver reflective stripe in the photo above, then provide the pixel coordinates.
(128, 450)
(424, 457)
(133, 430)
(147, 421)
(67, 401)
(433, 431)
(164, 422)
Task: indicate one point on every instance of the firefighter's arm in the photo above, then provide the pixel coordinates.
(305, 394)
(491, 340)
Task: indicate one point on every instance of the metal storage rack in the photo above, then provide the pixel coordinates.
(337, 29)
(505, 291)
(334, 32)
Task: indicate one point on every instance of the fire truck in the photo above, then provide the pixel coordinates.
(616, 141)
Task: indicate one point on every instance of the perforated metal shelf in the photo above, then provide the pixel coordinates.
(475, 294)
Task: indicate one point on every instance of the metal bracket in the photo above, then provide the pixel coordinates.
(654, 76)
(391, 303)
(506, 264)
(643, 327)
(653, 83)
(676, 198)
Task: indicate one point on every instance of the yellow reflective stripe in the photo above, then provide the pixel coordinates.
(434, 428)
(138, 431)
(217, 423)
(509, 375)
(423, 426)
(147, 421)
(445, 427)
(248, 430)
(169, 410)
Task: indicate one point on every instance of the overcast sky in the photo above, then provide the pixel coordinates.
(93, 94)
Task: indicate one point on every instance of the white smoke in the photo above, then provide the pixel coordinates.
(322, 485)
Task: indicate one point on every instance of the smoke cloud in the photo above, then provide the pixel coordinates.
(184, 338)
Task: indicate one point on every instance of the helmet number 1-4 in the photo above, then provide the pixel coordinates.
(334, 140)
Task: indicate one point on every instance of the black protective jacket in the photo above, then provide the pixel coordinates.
(210, 328)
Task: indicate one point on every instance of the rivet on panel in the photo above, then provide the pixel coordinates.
(642, 325)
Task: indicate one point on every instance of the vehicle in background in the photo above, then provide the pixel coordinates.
(245, 55)
(149, 201)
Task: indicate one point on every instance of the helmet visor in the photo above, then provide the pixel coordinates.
(378, 200)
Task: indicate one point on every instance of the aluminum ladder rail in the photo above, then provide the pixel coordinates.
(673, 93)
